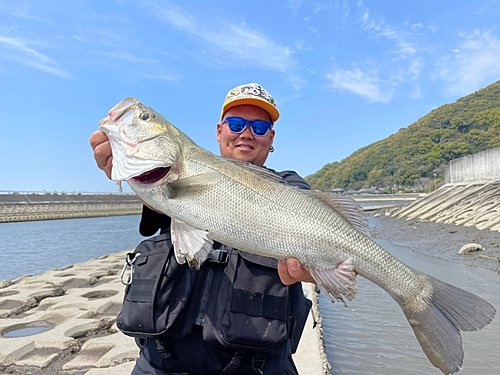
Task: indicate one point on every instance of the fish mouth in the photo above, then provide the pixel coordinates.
(152, 176)
(120, 113)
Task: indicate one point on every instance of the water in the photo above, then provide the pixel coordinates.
(26, 331)
(30, 248)
(372, 336)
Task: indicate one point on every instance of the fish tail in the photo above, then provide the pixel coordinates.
(438, 318)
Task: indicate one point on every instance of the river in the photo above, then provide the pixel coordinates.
(371, 336)
(33, 247)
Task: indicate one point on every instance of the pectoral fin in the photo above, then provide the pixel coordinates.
(193, 184)
(190, 244)
(337, 281)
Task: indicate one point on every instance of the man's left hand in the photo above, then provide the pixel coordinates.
(291, 271)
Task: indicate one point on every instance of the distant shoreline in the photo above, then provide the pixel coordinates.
(36, 207)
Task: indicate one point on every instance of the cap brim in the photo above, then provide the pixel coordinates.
(266, 106)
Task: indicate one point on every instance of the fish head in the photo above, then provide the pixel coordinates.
(144, 144)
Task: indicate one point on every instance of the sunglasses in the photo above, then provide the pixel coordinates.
(237, 125)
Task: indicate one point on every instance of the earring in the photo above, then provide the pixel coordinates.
(271, 149)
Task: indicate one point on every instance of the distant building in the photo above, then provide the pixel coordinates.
(371, 191)
(338, 191)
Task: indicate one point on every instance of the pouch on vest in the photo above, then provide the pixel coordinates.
(249, 306)
(158, 292)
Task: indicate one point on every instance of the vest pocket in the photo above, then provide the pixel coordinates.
(253, 306)
(156, 297)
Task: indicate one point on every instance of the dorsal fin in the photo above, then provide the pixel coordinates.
(347, 207)
(261, 171)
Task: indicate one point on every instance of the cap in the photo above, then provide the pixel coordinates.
(251, 94)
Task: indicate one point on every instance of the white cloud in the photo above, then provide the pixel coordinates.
(378, 26)
(404, 66)
(294, 5)
(124, 56)
(240, 45)
(417, 93)
(31, 17)
(18, 49)
(320, 7)
(359, 83)
(473, 65)
(166, 78)
(346, 10)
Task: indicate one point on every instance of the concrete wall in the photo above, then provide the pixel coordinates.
(49, 207)
(477, 167)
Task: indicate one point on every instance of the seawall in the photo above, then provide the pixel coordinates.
(474, 204)
(477, 167)
(31, 207)
(64, 322)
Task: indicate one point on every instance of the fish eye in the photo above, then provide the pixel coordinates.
(148, 116)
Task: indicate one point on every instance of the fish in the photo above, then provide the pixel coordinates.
(249, 208)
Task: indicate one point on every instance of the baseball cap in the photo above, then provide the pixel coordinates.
(251, 94)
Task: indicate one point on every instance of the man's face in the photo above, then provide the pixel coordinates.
(245, 146)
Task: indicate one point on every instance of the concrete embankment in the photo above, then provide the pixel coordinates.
(474, 204)
(63, 322)
(372, 202)
(31, 207)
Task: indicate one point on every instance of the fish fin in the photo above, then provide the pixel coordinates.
(347, 207)
(260, 171)
(185, 186)
(337, 281)
(190, 244)
(438, 318)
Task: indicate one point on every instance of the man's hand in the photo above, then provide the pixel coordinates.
(102, 151)
(291, 271)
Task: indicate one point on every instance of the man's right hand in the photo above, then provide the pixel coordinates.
(102, 151)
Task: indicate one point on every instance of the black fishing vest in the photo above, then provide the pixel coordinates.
(235, 301)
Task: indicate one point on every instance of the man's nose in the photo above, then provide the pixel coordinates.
(247, 132)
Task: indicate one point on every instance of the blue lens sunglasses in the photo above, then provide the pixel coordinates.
(237, 125)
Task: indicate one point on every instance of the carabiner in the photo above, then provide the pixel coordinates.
(129, 262)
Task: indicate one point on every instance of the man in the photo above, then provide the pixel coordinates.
(245, 132)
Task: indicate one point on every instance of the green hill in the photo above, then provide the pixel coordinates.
(410, 157)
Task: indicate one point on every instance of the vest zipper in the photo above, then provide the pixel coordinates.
(204, 298)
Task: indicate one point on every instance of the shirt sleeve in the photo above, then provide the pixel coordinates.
(151, 221)
(292, 178)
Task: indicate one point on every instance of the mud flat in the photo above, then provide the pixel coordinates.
(441, 240)
(63, 322)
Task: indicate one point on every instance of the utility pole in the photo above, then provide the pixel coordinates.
(435, 186)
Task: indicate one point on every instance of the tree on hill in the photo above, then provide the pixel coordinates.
(415, 153)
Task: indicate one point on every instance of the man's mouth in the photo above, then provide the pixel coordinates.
(152, 176)
(247, 147)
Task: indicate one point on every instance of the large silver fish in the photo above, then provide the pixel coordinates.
(211, 198)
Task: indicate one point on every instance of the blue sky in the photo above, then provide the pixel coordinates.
(344, 73)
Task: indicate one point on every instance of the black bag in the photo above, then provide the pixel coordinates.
(237, 298)
(158, 292)
(252, 309)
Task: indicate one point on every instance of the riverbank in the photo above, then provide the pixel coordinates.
(441, 240)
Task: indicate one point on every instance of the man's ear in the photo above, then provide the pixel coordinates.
(271, 138)
(219, 130)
